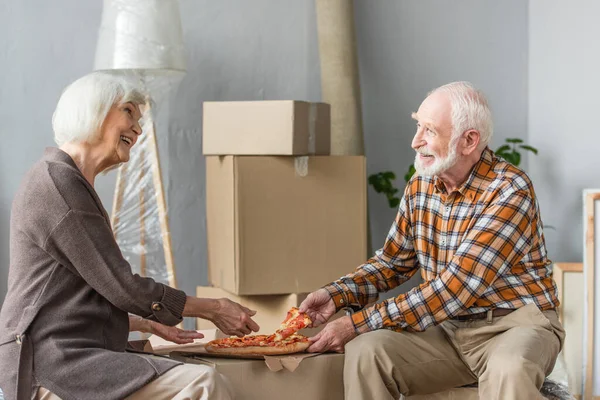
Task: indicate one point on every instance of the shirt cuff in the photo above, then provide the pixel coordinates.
(359, 320)
(342, 297)
(169, 309)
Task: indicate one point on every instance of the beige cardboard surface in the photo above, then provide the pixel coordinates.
(161, 346)
(284, 233)
(271, 310)
(315, 378)
(282, 127)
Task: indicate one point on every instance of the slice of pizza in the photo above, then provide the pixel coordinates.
(294, 321)
(258, 345)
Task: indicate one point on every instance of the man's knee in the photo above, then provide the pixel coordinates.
(514, 367)
(365, 346)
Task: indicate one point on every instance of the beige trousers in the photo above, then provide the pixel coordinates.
(184, 382)
(509, 357)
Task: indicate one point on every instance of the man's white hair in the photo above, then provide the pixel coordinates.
(84, 104)
(470, 110)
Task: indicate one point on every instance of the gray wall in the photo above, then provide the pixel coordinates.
(237, 50)
(407, 48)
(43, 47)
(563, 116)
(265, 49)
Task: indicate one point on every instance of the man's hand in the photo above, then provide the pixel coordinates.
(333, 337)
(172, 333)
(233, 318)
(319, 306)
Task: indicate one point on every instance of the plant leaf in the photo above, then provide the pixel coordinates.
(394, 202)
(410, 173)
(389, 175)
(502, 149)
(373, 179)
(517, 158)
(526, 147)
(514, 140)
(509, 157)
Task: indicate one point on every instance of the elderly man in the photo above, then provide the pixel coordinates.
(486, 311)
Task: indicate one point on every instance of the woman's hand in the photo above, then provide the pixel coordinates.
(233, 318)
(173, 334)
(230, 317)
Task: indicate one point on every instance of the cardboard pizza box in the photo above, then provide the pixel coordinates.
(297, 376)
(160, 346)
(301, 377)
(282, 127)
(271, 310)
(278, 225)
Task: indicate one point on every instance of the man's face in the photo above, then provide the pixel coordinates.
(436, 151)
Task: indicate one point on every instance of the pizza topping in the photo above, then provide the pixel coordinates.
(286, 335)
(294, 321)
(256, 340)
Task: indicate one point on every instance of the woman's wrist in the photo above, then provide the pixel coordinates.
(201, 308)
(139, 324)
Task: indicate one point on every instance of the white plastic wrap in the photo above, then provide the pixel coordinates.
(140, 34)
(139, 214)
(142, 39)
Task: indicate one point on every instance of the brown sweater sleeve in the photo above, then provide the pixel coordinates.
(84, 242)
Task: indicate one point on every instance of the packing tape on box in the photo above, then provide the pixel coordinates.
(301, 163)
(312, 128)
(301, 166)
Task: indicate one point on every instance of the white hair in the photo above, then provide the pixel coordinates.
(470, 110)
(84, 104)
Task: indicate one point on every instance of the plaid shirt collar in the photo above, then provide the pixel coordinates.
(482, 171)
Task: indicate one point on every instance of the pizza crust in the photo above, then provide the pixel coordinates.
(259, 350)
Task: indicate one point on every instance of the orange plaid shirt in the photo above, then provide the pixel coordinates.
(479, 248)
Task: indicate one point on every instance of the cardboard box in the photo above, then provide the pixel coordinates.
(266, 128)
(317, 377)
(299, 376)
(271, 230)
(271, 310)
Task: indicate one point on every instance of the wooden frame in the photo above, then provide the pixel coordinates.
(122, 177)
(559, 271)
(590, 198)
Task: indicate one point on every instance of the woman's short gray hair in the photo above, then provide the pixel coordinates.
(84, 104)
(470, 110)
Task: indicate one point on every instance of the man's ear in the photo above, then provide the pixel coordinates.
(471, 141)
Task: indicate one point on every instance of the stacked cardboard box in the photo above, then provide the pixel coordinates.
(279, 219)
(283, 216)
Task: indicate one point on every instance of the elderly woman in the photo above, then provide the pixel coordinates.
(64, 323)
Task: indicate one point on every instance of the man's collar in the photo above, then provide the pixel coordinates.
(478, 175)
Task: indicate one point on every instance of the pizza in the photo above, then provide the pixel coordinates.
(294, 321)
(260, 345)
(286, 340)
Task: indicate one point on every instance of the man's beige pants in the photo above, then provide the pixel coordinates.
(184, 382)
(508, 356)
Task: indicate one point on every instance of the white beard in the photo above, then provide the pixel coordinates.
(440, 164)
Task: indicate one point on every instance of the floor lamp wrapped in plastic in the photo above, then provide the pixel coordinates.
(142, 39)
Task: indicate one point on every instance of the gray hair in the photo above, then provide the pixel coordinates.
(84, 104)
(470, 110)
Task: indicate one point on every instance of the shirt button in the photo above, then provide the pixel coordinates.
(341, 301)
(156, 306)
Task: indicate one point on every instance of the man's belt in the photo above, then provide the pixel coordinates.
(497, 312)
